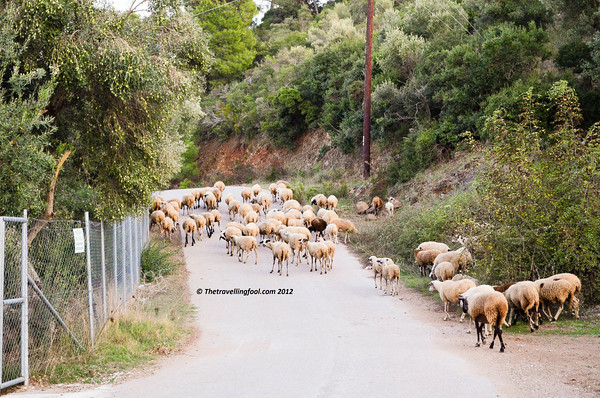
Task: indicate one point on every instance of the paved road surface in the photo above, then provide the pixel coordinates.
(334, 336)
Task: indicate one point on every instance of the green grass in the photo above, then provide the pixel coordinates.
(564, 326)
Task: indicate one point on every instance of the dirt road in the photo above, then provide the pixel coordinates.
(331, 335)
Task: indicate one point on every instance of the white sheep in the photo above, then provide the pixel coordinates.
(449, 292)
(246, 195)
(264, 200)
(229, 198)
(285, 194)
(331, 232)
(391, 274)
(377, 267)
(281, 252)
(200, 223)
(256, 189)
(291, 204)
(210, 201)
(293, 222)
(429, 245)
(332, 202)
(167, 227)
(251, 229)
(251, 217)
(273, 190)
(389, 206)
(575, 281)
(556, 291)
(317, 251)
(156, 218)
(487, 307)
(188, 202)
(329, 215)
(234, 208)
(295, 230)
(244, 209)
(523, 296)
(220, 185)
(444, 271)
(266, 229)
(319, 200)
(227, 235)
(297, 243)
(246, 244)
(459, 258)
(330, 254)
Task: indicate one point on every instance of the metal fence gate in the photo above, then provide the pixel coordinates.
(13, 295)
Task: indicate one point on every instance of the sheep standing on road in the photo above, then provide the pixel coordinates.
(487, 307)
(189, 227)
(524, 296)
(246, 244)
(391, 274)
(449, 292)
(281, 252)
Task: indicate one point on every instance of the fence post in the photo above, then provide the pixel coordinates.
(25, 305)
(124, 264)
(131, 255)
(2, 226)
(88, 260)
(103, 263)
(138, 251)
(115, 264)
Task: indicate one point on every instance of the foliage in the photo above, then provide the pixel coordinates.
(158, 259)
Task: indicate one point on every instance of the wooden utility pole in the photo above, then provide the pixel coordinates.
(367, 94)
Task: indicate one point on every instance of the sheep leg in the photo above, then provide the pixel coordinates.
(256, 256)
(193, 240)
(287, 268)
(273, 266)
(560, 308)
(510, 316)
(446, 308)
(186, 239)
(478, 330)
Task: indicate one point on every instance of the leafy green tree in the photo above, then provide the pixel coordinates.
(231, 41)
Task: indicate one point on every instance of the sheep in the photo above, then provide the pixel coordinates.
(391, 274)
(332, 202)
(251, 229)
(331, 231)
(177, 203)
(264, 200)
(425, 258)
(444, 271)
(523, 296)
(389, 206)
(469, 293)
(188, 202)
(218, 194)
(329, 215)
(189, 227)
(210, 201)
(156, 203)
(297, 243)
(170, 212)
(256, 189)
(219, 184)
(244, 209)
(285, 194)
(227, 235)
(291, 204)
(251, 217)
(330, 254)
(156, 218)
(487, 307)
(297, 230)
(167, 227)
(319, 200)
(459, 258)
(292, 222)
(200, 223)
(273, 190)
(318, 225)
(308, 216)
(277, 215)
(345, 226)
(234, 208)
(256, 208)
(574, 281)
(246, 195)
(502, 288)
(293, 213)
(210, 222)
(282, 252)
(283, 184)
(197, 197)
(377, 204)
(361, 207)
(377, 268)
(449, 292)
(246, 244)
(556, 291)
(429, 245)
(229, 198)
(266, 229)
(217, 215)
(317, 251)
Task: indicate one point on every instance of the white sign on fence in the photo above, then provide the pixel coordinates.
(79, 240)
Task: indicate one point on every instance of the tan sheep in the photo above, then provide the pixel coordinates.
(524, 296)
(217, 215)
(487, 307)
(444, 271)
(210, 201)
(377, 267)
(329, 215)
(246, 195)
(425, 258)
(156, 218)
(285, 194)
(319, 200)
(189, 227)
(256, 189)
(244, 209)
(293, 222)
(266, 229)
(188, 202)
(331, 232)
(345, 226)
(227, 235)
(234, 208)
(556, 291)
(330, 253)
(449, 292)
(377, 204)
(170, 212)
(157, 202)
(391, 274)
(200, 223)
(281, 252)
(308, 216)
(332, 202)
(317, 251)
(429, 245)
(229, 198)
(291, 204)
(251, 217)
(167, 227)
(459, 258)
(574, 281)
(210, 222)
(177, 203)
(273, 190)
(246, 244)
(264, 200)
(472, 291)
(251, 229)
(297, 243)
(220, 185)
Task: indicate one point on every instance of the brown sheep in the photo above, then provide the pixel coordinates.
(317, 226)
(377, 204)
(425, 258)
(156, 218)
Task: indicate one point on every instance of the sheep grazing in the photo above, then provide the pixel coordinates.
(317, 251)
(246, 195)
(156, 218)
(472, 291)
(523, 296)
(487, 307)
(189, 227)
(332, 202)
(167, 227)
(345, 226)
(156, 203)
(256, 189)
(227, 236)
(281, 252)
(556, 291)
(246, 244)
(425, 258)
(444, 271)
(319, 200)
(361, 207)
(318, 226)
(449, 292)
(331, 232)
(377, 204)
(389, 206)
(459, 258)
(170, 212)
(391, 274)
(188, 202)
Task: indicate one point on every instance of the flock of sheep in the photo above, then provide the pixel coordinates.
(287, 232)
(487, 304)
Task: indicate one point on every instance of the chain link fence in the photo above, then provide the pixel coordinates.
(75, 285)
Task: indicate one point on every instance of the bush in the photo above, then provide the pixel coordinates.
(158, 260)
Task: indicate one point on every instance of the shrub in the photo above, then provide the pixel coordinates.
(158, 260)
